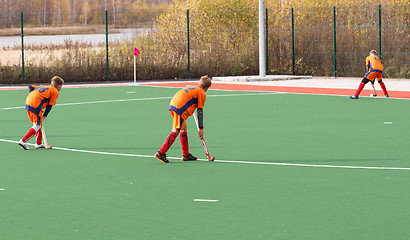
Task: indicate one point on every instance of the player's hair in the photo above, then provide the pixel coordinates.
(57, 81)
(374, 52)
(205, 82)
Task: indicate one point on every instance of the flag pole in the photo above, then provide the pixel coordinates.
(136, 53)
(135, 69)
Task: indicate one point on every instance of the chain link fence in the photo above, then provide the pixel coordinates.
(323, 41)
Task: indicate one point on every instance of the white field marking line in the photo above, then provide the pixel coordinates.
(143, 99)
(92, 102)
(222, 161)
(1, 189)
(205, 200)
(388, 122)
(188, 82)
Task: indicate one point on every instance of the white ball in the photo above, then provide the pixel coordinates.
(371, 95)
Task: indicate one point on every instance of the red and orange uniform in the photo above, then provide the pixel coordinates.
(375, 71)
(375, 68)
(38, 99)
(184, 103)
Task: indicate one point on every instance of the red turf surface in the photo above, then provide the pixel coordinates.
(303, 90)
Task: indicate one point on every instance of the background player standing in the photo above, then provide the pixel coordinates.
(183, 105)
(374, 71)
(40, 97)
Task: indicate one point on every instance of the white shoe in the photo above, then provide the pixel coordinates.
(23, 145)
(39, 146)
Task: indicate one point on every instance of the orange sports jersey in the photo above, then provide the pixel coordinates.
(40, 97)
(374, 63)
(187, 100)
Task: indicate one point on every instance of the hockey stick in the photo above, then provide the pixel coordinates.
(203, 142)
(43, 132)
(375, 94)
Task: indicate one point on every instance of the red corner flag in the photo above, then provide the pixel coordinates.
(136, 52)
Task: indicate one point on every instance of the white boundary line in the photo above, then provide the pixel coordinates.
(148, 84)
(144, 99)
(160, 98)
(205, 200)
(223, 161)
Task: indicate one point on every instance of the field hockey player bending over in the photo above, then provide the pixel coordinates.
(40, 97)
(374, 71)
(183, 105)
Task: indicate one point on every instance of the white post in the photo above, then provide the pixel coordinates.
(262, 44)
(135, 69)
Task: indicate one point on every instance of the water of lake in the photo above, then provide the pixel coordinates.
(94, 39)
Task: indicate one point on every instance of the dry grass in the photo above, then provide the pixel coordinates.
(10, 57)
(89, 29)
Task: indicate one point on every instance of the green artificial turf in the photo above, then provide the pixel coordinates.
(59, 194)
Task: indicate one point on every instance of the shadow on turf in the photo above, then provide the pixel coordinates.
(15, 138)
(127, 148)
(330, 160)
(13, 121)
(133, 148)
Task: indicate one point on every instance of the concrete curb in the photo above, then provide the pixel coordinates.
(259, 78)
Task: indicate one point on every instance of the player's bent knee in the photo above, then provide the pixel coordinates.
(36, 127)
(365, 80)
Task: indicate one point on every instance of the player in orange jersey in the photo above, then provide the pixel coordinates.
(183, 105)
(40, 97)
(374, 71)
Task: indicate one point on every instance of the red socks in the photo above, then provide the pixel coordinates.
(171, 139)
(183, 137)
(39, 136)
(359, 90)
(361, 86)
(31, 132)
(383, 87)
(168, 142)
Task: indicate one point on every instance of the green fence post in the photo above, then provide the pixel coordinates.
(293, 44)
(189, 53)
(106, 44)
(266, 41)
(380, 31)
(334, 41)
(22, 47)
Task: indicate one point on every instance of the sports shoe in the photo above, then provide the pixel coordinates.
(23, 145)
(386, 96)
(188, 157)
(161, 157)
(40, 146)
(354, 97)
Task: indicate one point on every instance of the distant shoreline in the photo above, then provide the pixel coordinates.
(64, 30)
(57, 41)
